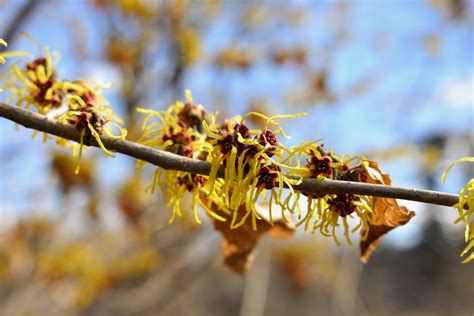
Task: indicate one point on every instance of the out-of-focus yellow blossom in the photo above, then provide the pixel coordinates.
(189, 46)
(465, 208)
(33, 82)
(234, 56)
(92, 271)
(4, 55)
(140, 8)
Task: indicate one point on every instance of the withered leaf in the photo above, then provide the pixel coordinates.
(238, 244)
(387, 214)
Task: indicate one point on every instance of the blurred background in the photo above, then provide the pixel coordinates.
(392, 80)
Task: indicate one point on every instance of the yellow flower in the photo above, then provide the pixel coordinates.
(177, 130)
(326, 212)
(2, 42)
(189, 45)
(10, 54)
(91, 114)
(251, 166)
(34, 83)
(139, 8)
(466, 200)
(249, 158)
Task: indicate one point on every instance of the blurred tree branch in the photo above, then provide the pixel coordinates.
(21, 17)
(167, 160)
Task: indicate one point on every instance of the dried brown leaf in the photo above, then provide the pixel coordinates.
(385, 177)
(387, 214)
(239, 244)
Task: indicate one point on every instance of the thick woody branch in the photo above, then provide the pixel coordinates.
(167, 160)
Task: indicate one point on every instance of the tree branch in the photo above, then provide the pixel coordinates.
(167, 160)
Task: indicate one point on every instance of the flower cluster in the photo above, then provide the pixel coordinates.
(250, 162)
(465, 208)
(325, 212)
(178, 130)
(251, 167)
(34, 83)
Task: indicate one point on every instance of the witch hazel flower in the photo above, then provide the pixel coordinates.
(327, 212)
(465, 208)
(34, 83)
(249, 159)
(178, 130)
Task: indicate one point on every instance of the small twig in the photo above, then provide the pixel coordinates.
(167, 160)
